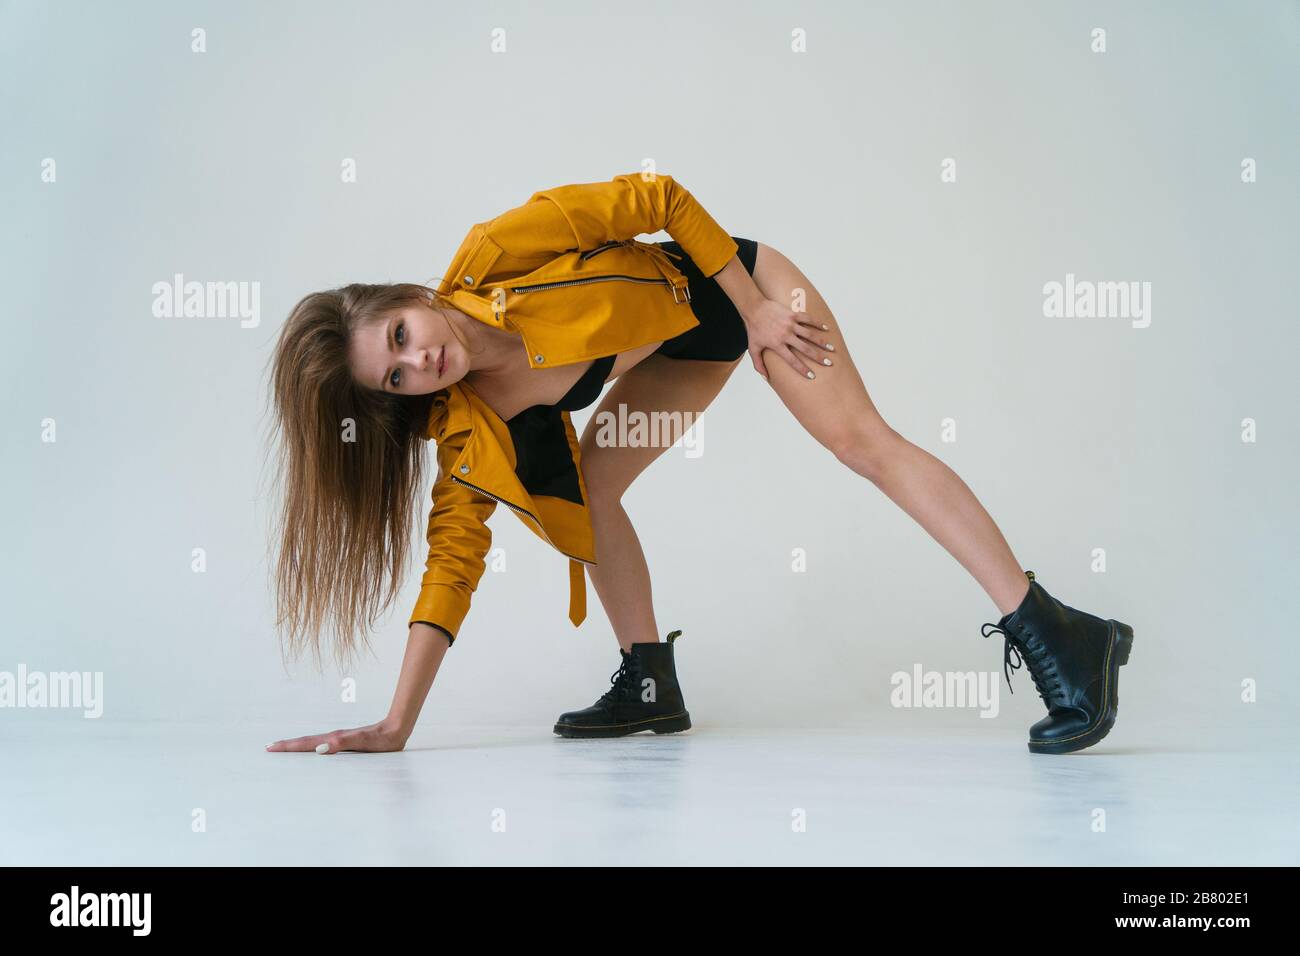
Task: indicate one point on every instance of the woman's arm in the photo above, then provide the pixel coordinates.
(425, 647)
(459, 539)
(739, 285)
(585, 215)
(772, 325)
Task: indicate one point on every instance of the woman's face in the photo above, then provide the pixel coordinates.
(411, 352)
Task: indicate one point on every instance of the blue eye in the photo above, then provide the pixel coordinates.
(394, 379)
(399, 335)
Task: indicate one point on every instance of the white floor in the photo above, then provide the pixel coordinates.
(483, 795)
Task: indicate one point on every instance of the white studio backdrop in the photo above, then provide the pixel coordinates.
(831, 131)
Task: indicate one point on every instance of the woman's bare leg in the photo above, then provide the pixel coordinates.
(836, 410)
(621, 576)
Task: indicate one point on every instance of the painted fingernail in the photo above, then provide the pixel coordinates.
(810, 375)
(825, 326)
(826, 361)
(322, 748)
(830, 347)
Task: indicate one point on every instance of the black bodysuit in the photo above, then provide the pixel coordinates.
(587, 389)
(543, 462)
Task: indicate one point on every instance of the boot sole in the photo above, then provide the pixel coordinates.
(667, 724)
(1117, 655)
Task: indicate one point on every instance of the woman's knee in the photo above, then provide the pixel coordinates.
(867, 449)
(604, 490)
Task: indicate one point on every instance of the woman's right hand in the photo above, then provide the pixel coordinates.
(425, 647)
(789, 335)
(383, 737)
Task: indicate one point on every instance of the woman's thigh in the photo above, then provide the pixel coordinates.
(834, 407)
(670, 393)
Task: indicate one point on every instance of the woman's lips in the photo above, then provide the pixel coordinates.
(441, 357)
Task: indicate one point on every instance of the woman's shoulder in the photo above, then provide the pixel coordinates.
(454, 411)
(445, 408)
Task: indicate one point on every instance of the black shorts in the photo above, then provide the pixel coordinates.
(721, 334)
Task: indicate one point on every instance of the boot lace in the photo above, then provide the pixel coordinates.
(624, 680)
(1033, 654)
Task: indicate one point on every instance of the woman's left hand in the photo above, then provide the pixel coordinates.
(791, 335)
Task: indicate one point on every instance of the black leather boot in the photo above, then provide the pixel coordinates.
(1074, 659)
(644, 696)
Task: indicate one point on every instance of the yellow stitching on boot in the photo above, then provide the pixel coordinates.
(1104, 688)
(644, 720)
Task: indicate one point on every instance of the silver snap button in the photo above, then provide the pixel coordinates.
(469, 280)
(538, 358)
(464, 469)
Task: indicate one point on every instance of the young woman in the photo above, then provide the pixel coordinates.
(539, 308)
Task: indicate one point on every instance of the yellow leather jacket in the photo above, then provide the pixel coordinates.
(565, 272)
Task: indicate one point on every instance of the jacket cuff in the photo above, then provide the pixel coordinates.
(700, 236)
(717, 261)
(710, 275)
(441, 630)
(442, 605)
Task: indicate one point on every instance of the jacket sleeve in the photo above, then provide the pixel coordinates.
(459, 539)
(585, 215)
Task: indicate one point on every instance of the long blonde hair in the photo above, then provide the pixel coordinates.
(351, 466)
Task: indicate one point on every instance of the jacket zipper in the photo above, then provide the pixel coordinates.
(599, 249)
(556, 285)
(484, 491)
(632, 243)
(605, 247)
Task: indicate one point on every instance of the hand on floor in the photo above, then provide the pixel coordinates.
(376, 738)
